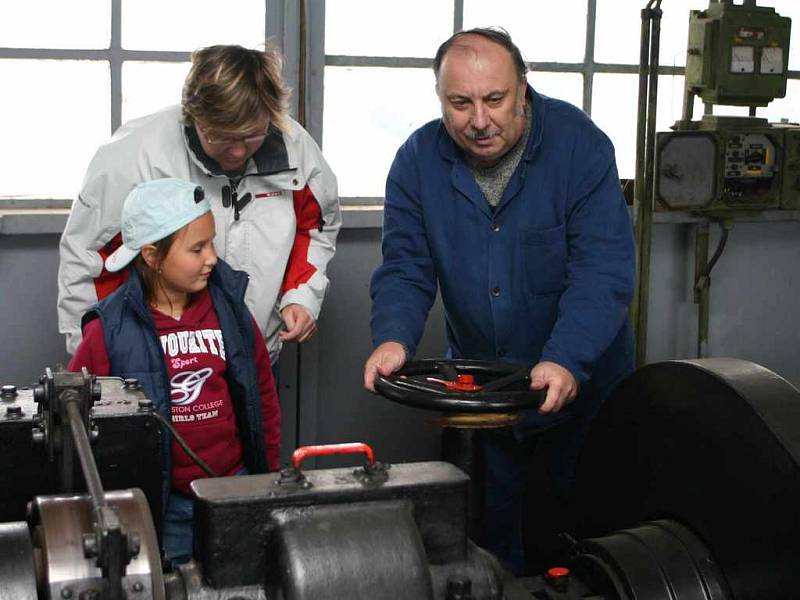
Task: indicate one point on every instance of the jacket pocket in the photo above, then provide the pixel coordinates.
(544, 260)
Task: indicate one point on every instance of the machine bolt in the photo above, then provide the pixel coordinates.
(97, 391)
(39, 394)
(38, 437)
(131, 383)
(137, 587)
(459, 588)
(134, 545)
(14, 412)
(66, 593)
(8, 391)
(89, 546)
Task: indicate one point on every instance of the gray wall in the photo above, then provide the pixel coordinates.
(754, 315)
(29, 339)
(755, 312)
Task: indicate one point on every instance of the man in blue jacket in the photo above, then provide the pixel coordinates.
(512, 205)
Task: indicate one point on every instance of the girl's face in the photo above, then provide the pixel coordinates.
(188, 264)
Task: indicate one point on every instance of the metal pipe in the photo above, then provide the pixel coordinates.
(688, 105)
(84, 451)
(638, 182)
(702, 286)
(646, 208)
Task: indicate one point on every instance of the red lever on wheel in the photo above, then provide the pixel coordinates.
(299, 455)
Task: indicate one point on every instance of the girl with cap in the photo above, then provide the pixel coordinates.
(180, 326)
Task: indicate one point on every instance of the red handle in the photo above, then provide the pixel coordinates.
(299, 455)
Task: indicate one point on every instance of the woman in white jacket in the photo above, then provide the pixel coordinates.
(273, 196)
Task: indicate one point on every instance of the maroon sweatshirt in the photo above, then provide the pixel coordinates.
(202, 410)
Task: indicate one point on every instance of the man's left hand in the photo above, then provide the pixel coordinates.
(300, 325)
(560, 383)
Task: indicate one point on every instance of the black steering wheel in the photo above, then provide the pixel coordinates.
(461, 386)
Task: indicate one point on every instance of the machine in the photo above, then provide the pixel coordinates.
(737, 55)
(687, 488)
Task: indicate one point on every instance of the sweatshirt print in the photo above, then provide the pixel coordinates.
(201, 406)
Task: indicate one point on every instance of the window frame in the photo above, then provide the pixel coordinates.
(297, 28)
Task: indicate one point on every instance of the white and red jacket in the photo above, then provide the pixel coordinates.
(280, 228)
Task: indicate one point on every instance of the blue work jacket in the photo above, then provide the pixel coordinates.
(548, 274)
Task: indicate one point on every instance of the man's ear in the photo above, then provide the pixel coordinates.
(523, 92)
(150, 255)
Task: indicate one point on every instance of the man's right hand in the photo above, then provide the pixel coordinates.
(384, 360)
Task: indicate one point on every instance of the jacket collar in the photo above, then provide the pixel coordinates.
(231, 282)
(452, 153)
(271, 157)
(134, 294)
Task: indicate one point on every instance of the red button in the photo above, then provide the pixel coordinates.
(557, 572)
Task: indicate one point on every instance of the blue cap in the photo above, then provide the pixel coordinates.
(152, 211)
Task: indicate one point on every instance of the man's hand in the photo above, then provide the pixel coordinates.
(300, 325)
(561, 386)
(384, 360)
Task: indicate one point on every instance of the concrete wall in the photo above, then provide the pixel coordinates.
(755, 312)
(29, 339)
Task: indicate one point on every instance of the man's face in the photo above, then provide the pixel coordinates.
(483, 99)
(231, 150)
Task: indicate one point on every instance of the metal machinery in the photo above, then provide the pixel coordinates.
(687, 488)
(719, 169)
(737, 55)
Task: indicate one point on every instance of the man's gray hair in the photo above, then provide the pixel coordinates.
(498, 35)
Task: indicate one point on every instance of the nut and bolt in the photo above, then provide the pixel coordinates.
(131, 383)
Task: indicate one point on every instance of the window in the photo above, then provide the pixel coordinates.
(66, 88)
(582, 51)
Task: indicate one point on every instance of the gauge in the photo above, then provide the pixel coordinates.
(772, 60)
(742, 59)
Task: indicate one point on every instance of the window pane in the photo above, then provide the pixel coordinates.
(555, 33)
(185, 25)
(369, 112)
(784, 108)
(670, 102)
(619, 27)
(51, 131)
(384, 28)
(614, 109)
(150, 86)
(564, 86)
(55, 24)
